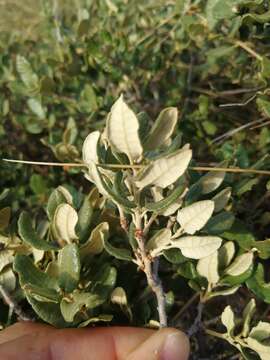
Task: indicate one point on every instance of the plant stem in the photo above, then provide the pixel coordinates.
(151, 275)
(13, 306)
(119, 166)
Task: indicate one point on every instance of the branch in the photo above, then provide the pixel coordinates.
(13, 305)
(151, 272)
(120, 166)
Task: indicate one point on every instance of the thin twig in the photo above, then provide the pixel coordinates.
(197, 324)
(185, 307)
(234, 131)
(248, 49)
(13, 305)
(119, 166)
(239, 104)
(259, 126)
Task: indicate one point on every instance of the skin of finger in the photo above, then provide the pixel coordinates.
(22, 328)
(51, 344)
(47, 343)
(153, 347)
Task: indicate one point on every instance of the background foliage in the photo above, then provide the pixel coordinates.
(63, 64)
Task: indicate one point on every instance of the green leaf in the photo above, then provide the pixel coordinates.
(38, 184)
(197, 247)
(230, 280)
(193, 217)
(164, 204)
(42, 294)
(219, 223)
(217, 10)
(48, 312)
(258, 286)
(122, 130)
(28, 234)
(221, 199)
(118, 197)
(121, 254)
(28, 77)
(165, 170)
(245, 185)
(69, 267)
(162, 130)
(85, 216)
(263, 248)
(36, 107)
(226, 254)
(29, 274)
(174, 256)
(241, 235)
(70, 307)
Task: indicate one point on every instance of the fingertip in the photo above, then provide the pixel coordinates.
(176, 346)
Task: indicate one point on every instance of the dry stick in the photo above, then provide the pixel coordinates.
(239, 104)
(185, 307)
(13, 305)
(234, 131)
(195, 327)
(118, 166)
(151, 272)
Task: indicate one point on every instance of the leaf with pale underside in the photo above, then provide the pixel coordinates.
(93, 175)
(211, 181)
(6, 258)
(240, 264)
(248, 313)
(228, 319)
(123, 130)
(159, 240)
(69, 308)
(221, 199)
(193, 217)
(162, 130)
(65, 220)
(165, 170)
(119, 297)
(197, 247)
(226, 254)
(208, 268)
(89, 150)
(95, 244)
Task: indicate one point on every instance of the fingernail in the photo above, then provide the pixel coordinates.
(176, 347)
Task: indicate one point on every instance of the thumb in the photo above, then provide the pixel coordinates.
(32, 341)
(165, 344)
